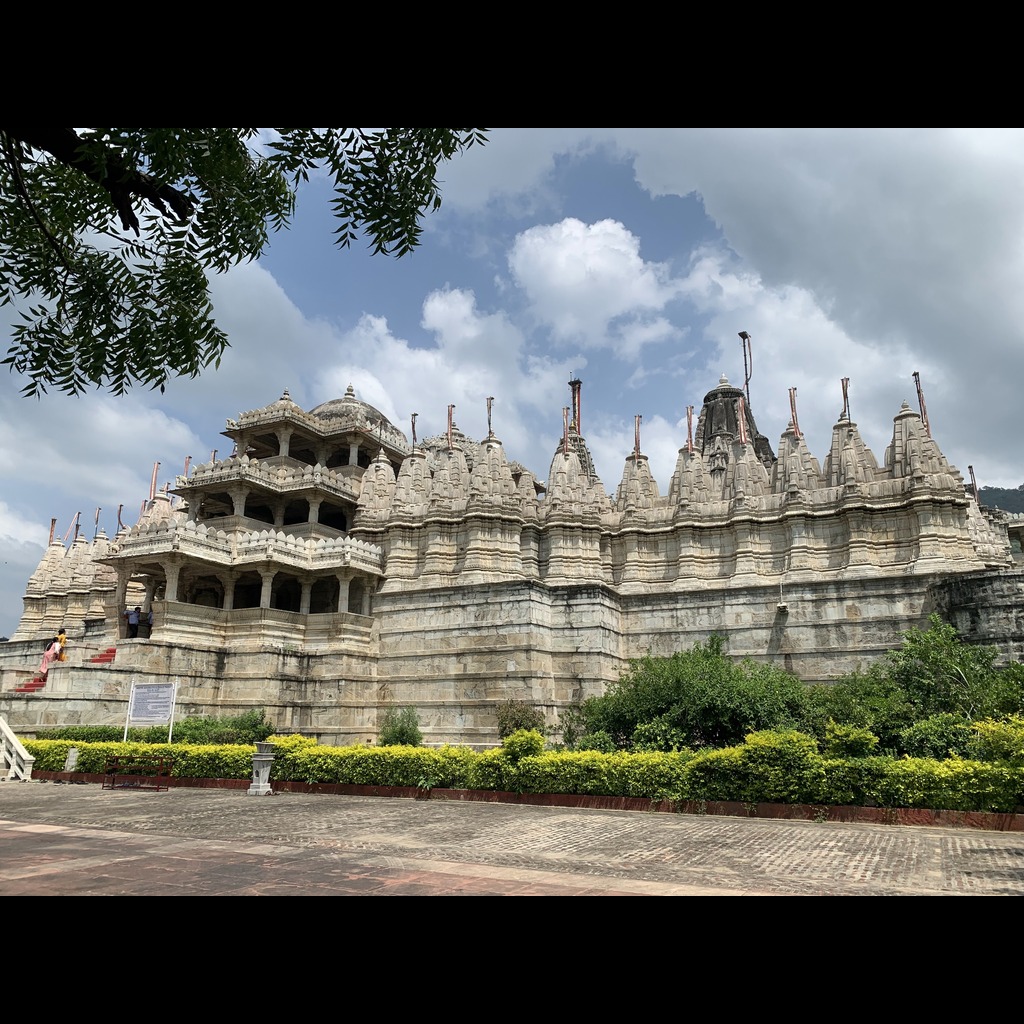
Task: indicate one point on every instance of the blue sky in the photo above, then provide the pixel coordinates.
(630, 257)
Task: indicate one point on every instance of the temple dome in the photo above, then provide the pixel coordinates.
(354, 412)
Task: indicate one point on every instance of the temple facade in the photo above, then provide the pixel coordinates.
(331, 568)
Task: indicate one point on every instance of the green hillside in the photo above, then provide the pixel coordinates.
(1009, 500)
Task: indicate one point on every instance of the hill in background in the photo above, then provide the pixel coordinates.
(1005, 498)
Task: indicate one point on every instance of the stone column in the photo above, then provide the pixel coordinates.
(267, 575)
(367, 594)
(314, 510)
(238, 496)
(172, 570)
(353, 453)
(307, 590)
(284, 436)
(121, 599)
(344, 581)
(228, 580)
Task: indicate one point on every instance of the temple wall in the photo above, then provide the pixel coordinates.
(456, 657)
(986, 609)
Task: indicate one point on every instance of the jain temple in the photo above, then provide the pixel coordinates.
(332, 567)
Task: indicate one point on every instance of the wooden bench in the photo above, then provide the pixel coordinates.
(137, 771)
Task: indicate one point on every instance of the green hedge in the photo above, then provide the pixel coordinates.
(773, 767)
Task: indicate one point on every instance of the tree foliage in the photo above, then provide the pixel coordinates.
(697, 698)
(926, 698)
(107, 235)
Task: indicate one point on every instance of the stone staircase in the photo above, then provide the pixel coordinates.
(32, 685)
(37, 682)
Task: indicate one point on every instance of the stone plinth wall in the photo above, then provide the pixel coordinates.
(986, 608)
(455, 660)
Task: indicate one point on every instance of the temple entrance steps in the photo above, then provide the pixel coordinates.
(104, 657)
(32, 685)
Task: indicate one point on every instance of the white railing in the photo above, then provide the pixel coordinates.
(15, 761)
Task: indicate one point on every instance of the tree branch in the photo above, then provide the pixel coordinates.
(119, 179)
(13, 153)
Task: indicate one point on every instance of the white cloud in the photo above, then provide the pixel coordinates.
(588, 283)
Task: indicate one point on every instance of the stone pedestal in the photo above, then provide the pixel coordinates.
(261, 762)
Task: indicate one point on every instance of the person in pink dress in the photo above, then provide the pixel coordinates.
(50, 655)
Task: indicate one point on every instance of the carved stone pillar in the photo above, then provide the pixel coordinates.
(238, 496)
(284, 436)
(121, 599)
(344, 581)
(228, 580)
(172, 571)
(267, 575)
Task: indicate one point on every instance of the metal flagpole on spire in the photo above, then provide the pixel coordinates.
(743, 421)
(414, 415)
(846, 399)
(689, 429)
(490, 402)
(451, 409)
(73, 526)
(920, 402)
(577, 413)
(636, 435)
(792, 409)
(748, 363)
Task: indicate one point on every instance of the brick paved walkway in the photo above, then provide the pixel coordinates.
(82, 840)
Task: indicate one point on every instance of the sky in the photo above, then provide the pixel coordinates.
(628, 257)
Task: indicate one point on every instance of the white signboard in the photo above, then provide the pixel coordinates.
(152, 704)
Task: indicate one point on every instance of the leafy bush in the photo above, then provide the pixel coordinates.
(249, 727)
(400, 727)
(709, 700)
(999, 741)
(942, 674)
(868, 700)
(514, 715)
(522, 743)
(599, 741)
(768, 766)
(938, 737)
(658, 735)
(849, 741)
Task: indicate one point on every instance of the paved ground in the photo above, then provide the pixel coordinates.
(81, 840)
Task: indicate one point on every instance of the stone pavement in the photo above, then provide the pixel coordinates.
(81, 840)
